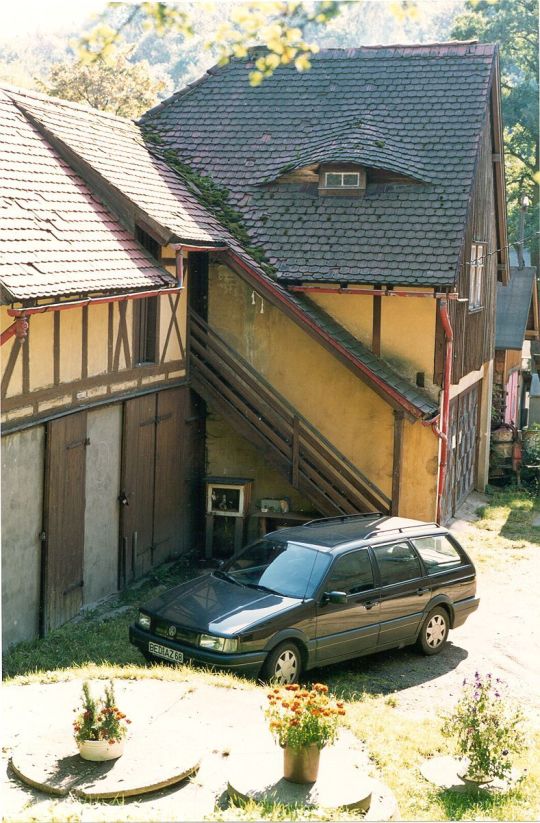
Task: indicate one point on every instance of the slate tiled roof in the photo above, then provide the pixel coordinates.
(113, 147)
(84, 229)
(55, 237)
(416, 110)
(513, 305)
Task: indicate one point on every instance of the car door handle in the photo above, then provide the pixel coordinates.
(422, 590)
(370, 603)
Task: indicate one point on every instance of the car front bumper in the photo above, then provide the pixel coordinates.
(463, 608)
(248, 663)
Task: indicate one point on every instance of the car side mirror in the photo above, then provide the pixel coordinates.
(339, 598)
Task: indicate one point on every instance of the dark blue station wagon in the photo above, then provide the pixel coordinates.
(316, 594)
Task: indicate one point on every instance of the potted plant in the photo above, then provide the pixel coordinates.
(303, 721)
(100, 727)
(487, 729)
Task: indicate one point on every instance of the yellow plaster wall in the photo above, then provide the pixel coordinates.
(354, 312)
(346, 411)
(15, 383)
(407, 329)
(229, 454)
(418, 494)
(40, 341)
(324, 391)
(70, 345)
(98, 330)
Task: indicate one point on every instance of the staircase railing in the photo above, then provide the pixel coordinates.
(234, 389)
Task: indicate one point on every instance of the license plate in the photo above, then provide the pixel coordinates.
(167, 654)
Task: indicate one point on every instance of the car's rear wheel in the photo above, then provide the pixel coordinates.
(434, 632)
(283, 664)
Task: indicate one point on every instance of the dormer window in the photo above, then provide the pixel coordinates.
(341, 179)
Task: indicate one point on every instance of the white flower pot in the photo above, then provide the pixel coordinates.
(100, 749)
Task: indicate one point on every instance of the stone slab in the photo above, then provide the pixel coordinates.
(55, 767)
(445, 772)
(342, 783)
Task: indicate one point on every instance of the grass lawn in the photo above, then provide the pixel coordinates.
(96, 646)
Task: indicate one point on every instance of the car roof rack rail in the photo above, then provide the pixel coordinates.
(342, 518)
(402, 529)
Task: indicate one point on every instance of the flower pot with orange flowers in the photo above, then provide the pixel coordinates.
(303, 721)
(100, 727)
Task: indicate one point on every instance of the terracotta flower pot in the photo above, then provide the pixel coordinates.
(301, 765)
(100, 749)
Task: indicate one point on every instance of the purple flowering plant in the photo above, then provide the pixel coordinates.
(487, 728)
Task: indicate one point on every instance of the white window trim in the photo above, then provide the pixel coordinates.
(342, 184)
(477, 268)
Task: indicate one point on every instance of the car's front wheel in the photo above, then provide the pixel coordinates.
(434, 632)
(283, 664)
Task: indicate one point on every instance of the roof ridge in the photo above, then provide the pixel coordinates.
(11, 90)
(456, 46)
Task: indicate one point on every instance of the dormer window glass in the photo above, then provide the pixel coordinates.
(337, 179)
(342, 179)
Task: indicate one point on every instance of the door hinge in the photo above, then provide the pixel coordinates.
(75, 443)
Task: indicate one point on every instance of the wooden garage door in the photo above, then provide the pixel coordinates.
(462, 449)
(62, 592)
(157, 486)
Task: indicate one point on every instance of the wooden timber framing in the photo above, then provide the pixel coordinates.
(45, 403)
(376, 332)
(397, 462)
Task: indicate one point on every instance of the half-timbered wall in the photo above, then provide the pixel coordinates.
(81, 356)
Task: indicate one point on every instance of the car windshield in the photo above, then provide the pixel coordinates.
(284, 568)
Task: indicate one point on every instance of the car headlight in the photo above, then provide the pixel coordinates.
(144, 620)
(218, 644)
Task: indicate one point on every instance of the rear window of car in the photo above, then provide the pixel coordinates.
(437, 552)
(397, 563)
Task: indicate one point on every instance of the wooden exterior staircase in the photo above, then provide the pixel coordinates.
(235, 390)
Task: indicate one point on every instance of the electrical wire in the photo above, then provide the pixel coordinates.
(491, 253)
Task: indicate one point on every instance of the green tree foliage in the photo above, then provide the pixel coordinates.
(278, 25)
(514, 25)
(115, 85)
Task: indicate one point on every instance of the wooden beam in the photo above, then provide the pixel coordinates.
(397, 461)
(376, 332)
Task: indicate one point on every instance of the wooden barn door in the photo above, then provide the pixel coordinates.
(62, 570)
(169, 504)
(462, 450)
(155, 494)
(137, 495)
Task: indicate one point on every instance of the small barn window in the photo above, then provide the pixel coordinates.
(145, 312)
(477, 268)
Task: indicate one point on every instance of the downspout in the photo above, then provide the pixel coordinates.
(442, 430)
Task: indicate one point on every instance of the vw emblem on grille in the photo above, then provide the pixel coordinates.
(172, 631)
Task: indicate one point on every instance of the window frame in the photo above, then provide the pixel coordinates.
(342, 184)
(477, 270)
(415, 553)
